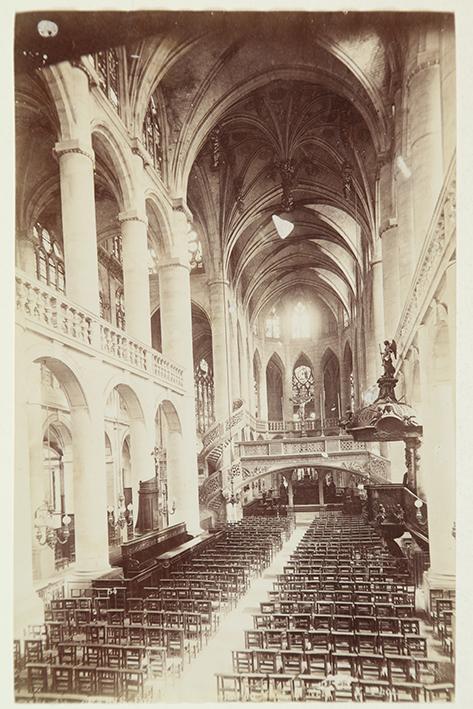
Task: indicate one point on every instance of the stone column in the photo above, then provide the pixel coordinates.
(76, 171)
(28, 608)
(412, 459)
(133, 227)
(377, 334)
(90, 492)
(287, 393)
(176, 331)
(43, 555)
(220, 337)
(263, 395)
(438, 462)
(26, 253)
(426, 149)
(321, 489)
(290, 491)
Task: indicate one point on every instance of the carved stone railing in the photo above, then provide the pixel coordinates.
(438, 246)
(45, 310)
(210, 487)
(256, 458)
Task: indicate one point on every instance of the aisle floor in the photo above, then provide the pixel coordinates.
(198, 683)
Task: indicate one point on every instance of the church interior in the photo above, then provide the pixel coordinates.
(235, 357)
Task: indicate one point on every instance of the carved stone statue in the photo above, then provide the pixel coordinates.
(390, 350)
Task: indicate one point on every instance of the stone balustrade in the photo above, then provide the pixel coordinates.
(44, 309)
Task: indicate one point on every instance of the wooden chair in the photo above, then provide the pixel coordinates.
(37, 677)
(107, 682)
(439, 692)
(415, 645)
(243, 661)
(257, 687)
(266, 661)
(282, 688)
(85, 680)
(132, 685)
(229, 688)
(293, 662)
(62, 679)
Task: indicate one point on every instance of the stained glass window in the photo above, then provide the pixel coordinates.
(152, 135)
(300, 321)
(108, 68)
(273, 324)
(49, 258)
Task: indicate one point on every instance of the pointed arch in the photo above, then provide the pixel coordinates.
(348, 393)
(331, 385)
(116, 161)
(275, 387)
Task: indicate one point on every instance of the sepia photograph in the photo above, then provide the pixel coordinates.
(235, 332)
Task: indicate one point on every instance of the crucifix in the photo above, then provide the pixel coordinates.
(301, 399)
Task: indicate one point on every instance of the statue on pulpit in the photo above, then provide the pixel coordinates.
(390, 350)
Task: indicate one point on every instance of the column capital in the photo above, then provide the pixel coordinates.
(73, 145)
(175, 261)
(218, 282)
(132, 215)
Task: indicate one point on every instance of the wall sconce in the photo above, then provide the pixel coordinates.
(419, 505)
(121, 517)
(50, 528)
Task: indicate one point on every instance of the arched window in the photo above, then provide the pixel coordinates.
(273, 324)
(152, 135)
(195, 253)
(300, 321)
(108, 68)
(204, 396)
(49, 258)
(120, 308)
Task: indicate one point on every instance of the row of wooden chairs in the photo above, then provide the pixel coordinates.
(362, 641)
(287, 688)
(319, 663)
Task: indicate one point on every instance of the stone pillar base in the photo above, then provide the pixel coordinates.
(29, 610)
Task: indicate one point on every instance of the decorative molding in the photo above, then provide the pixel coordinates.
(132, 216)
(421, 67)
(437, 245)
(73, 146)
